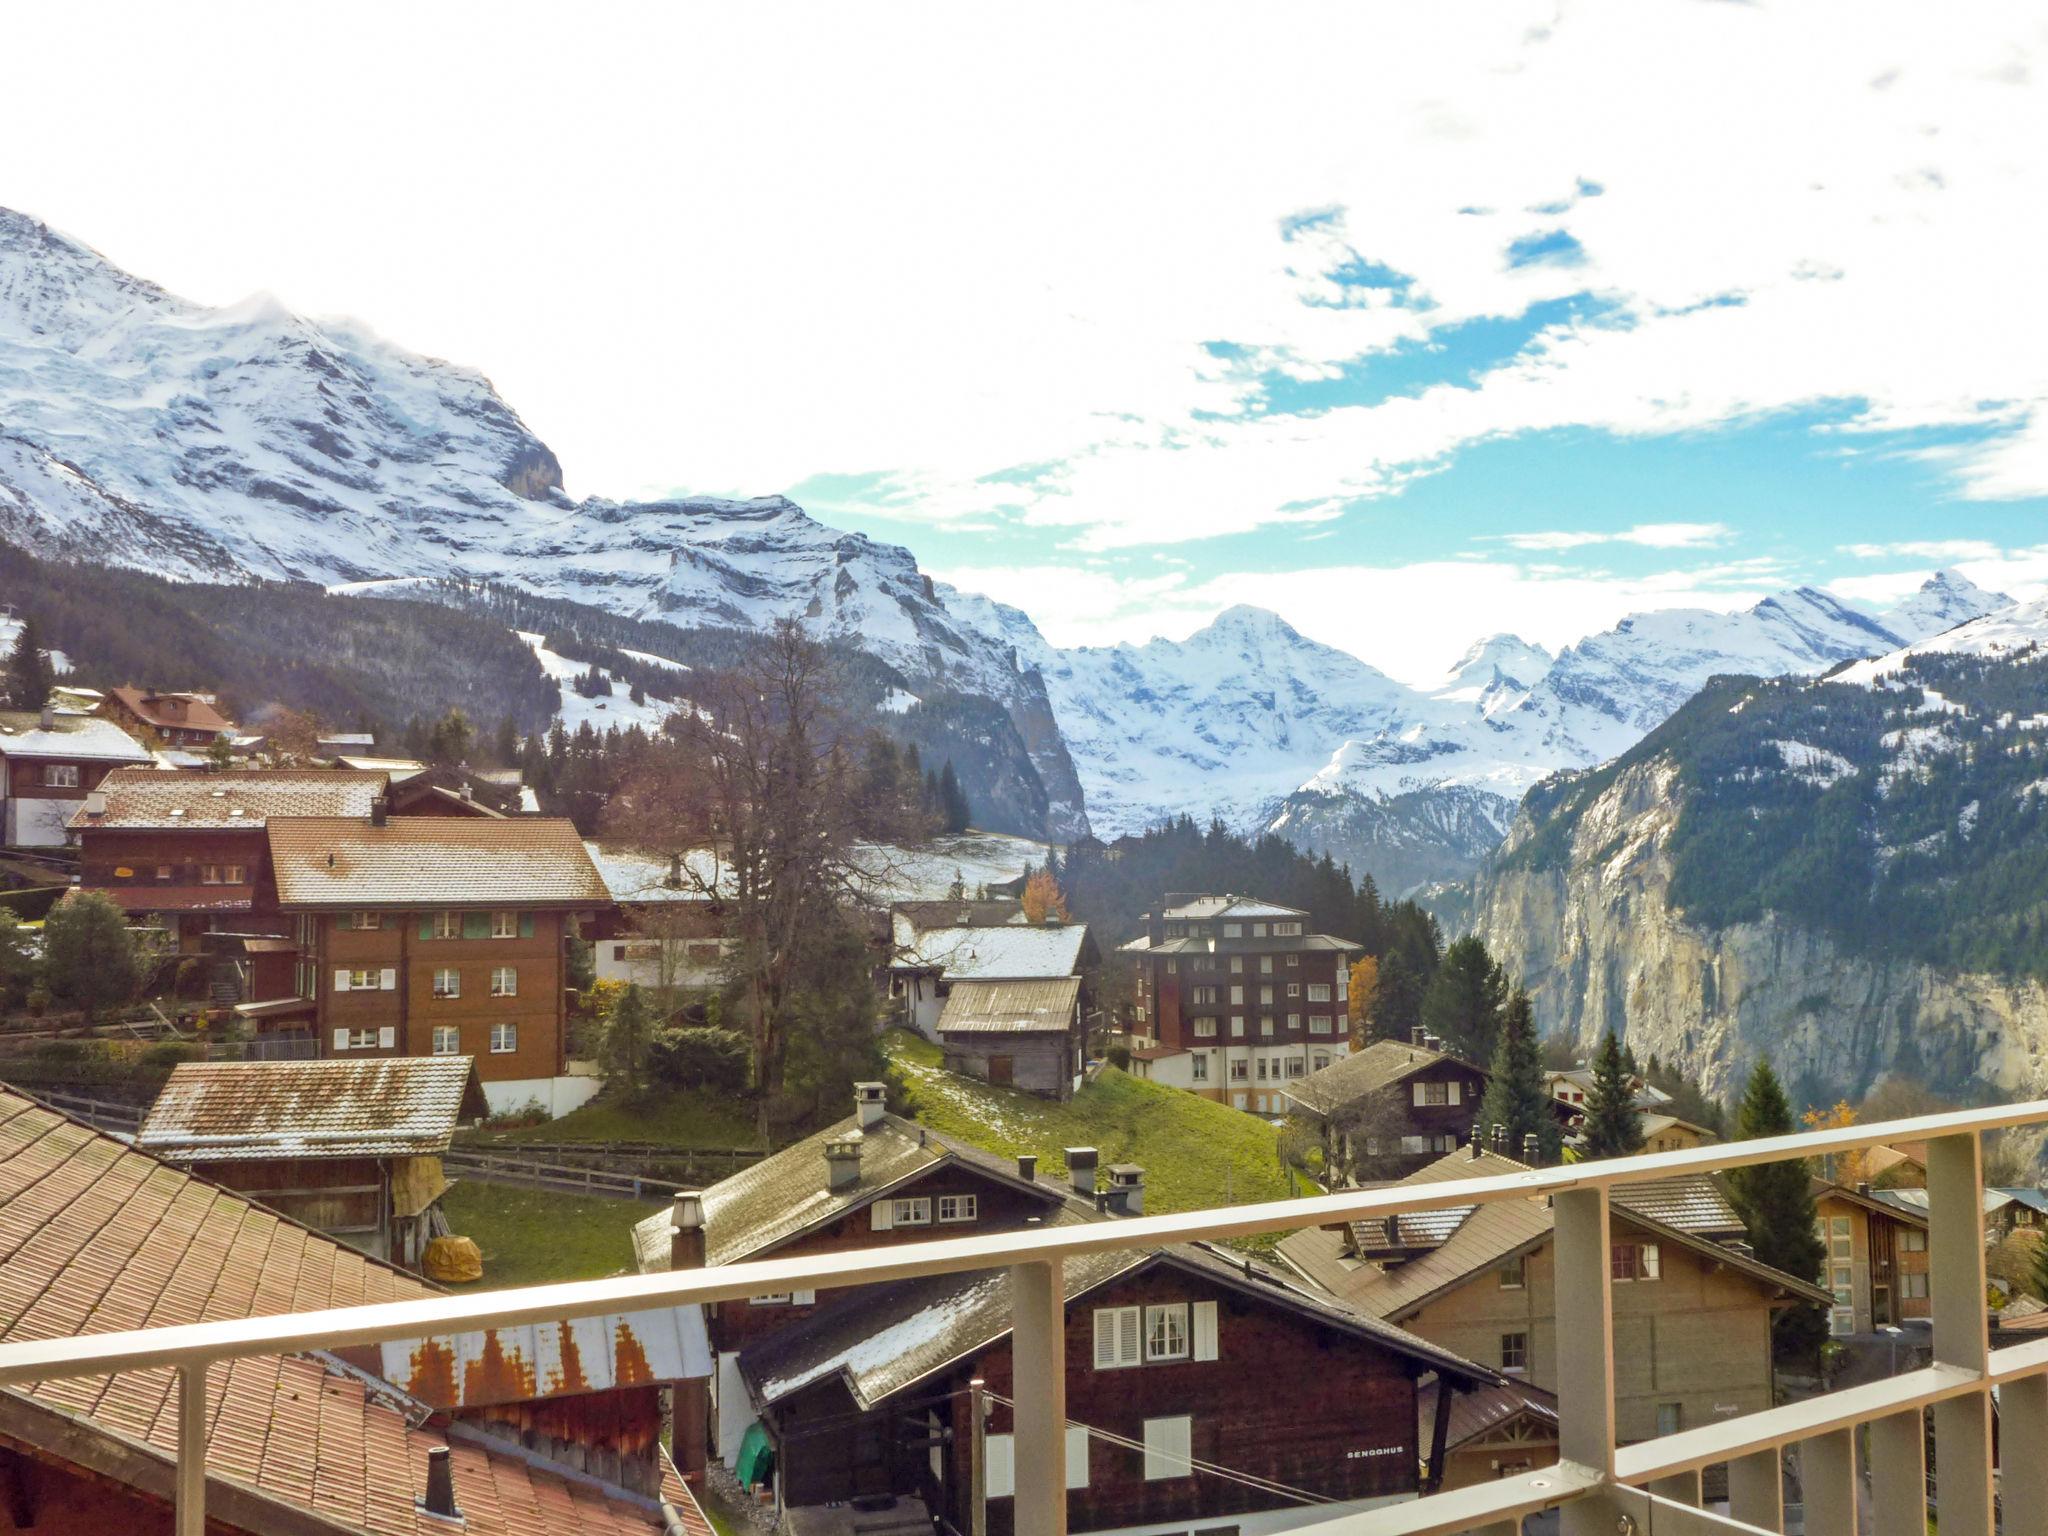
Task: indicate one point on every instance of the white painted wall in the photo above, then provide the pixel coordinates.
(556, 1095)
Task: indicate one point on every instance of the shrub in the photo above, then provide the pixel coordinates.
(1118, 1056)
(169, 1053)
(699, 1058)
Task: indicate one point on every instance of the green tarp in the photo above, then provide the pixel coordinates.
(757, 1456)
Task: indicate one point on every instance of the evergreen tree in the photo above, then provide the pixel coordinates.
(1397, 1009)
(451, 738)
(953, 808)
(1775, 1202)
(1614, 1127)
(28, 677)
(1464, 1000)
(1515, 1098)
(628, 1033)
(505, 747)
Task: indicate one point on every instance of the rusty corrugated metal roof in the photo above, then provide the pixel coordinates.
(96, 1236)
(432, 861)
(590, 1354)
(393, 1106)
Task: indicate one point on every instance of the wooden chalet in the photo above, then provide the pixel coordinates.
(544, 1427)
(1022, 1034)
(862, 1393)
(1396, 1106)
(162, 719)
(440, 936)
(1692, 1309)
(50, 760)
(350, 1148)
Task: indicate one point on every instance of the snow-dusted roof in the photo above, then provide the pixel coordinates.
(136, 798)
(392, 1106)
(1013, 952)
(430, 861)
(72, 737)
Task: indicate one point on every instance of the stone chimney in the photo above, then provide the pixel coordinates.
(842, 1161)
(1126, 1189)
(1415, 1035)
(1081, 1169)
(439, 1499)
(870, 1102)
(686, 1230)
(380, 811)
(1027, 1167)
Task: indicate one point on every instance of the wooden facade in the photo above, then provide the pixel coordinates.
(1876, 1261)
(402, 982)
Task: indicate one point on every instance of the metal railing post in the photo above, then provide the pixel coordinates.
(191, 1482)
(1955, 1257)
(1827, 1483)
(1585, 1350)
(1038, 1362)
(1679, 1488)
(2023, 1473)
(1898, 1473)
(1756, 1489)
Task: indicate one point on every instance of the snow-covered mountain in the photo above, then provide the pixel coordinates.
(1426, 801)
(141, 428)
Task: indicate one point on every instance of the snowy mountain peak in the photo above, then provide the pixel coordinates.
(1945, 599)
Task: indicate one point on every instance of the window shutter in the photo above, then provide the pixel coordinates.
(1205, 1330)
(388, 1036)
(341, 1039)
(1167, 1444)
(388, 982)
(341, 981)
(999, 1451)
(427, 926)
(526, 925)
(1416, 1089)
(882, 1216)
(1077, 1456)
(1457, 1091)
(476, 925)
(1651, 1270)
(1105, 1338)
(802, 1298)
(1130, 1335)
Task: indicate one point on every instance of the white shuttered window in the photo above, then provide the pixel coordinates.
(1119, 1337)
(1168, 1445)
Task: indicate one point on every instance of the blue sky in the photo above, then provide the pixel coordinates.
(1407, 322)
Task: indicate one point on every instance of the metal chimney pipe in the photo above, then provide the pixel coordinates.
(686, 1231)
(440, 1495)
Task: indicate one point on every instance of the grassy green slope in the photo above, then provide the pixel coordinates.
(1196, 1153)
(537, 1236)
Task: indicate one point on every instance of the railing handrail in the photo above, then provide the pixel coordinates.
(202, 1343)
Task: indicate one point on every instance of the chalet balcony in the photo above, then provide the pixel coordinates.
(1864, 1445)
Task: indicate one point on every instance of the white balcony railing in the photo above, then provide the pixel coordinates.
(1634, 1490)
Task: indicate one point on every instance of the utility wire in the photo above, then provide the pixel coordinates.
(1207, 1468)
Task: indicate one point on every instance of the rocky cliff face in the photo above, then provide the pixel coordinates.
(1595, 936)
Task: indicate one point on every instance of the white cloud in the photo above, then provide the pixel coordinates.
(1648, 535)
(733, 248)
(1946, 551)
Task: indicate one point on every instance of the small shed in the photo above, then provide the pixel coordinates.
(349, 1148)
(1021, 1034)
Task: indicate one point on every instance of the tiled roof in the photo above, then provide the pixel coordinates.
(96, 1236)
(391, 1106)
(1006, 952)
(138, 798)
(762, 1207)
(197, 714)
(1487, 1235)
(880, 1342)
(963, 913)
(1010, 1007)
(1350, 1078)
(1181, 906)
(71, 737)
(432, 861)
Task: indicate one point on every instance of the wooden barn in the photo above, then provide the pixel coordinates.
(349, 1148)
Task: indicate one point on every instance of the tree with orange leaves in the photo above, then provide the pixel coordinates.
(1043, 899)
(1844, 1168)
(1365, 980)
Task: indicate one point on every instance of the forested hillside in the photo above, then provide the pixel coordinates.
(1908, 819)
(352, 661)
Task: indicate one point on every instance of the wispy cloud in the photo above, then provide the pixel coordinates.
(1647, 535)
(1944, 550)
